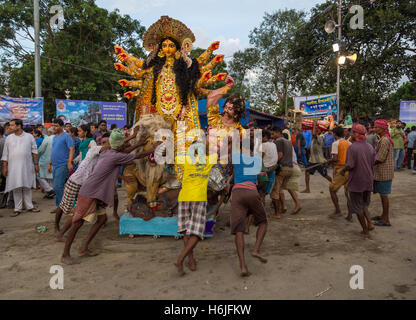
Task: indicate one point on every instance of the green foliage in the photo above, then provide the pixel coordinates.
(296, 51)
(79, 58)
(406, 92)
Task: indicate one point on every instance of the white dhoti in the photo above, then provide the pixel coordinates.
(22, 196)
(45, 184)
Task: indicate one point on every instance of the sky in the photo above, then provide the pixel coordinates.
(229, 22)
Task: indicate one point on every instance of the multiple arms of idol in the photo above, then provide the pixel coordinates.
(134, 67)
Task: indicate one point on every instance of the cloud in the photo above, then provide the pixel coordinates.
(132, 6)
(228, 46)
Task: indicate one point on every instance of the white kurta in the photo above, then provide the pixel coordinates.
(18, 154)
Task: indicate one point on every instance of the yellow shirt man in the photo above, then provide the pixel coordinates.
(195, 178)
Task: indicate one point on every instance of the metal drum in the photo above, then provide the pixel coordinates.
(217, 178)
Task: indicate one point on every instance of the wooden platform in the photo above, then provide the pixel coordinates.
(156, 227)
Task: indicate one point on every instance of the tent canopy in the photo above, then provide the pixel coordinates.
(259, 118)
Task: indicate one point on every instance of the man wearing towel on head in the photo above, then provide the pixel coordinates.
(98, 192)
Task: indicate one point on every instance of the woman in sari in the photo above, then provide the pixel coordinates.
(87, 141)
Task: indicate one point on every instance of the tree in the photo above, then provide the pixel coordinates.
(295, 55)
(268, 60)
(406, 92)
(79, 58)
(385, 49)
(241, 67)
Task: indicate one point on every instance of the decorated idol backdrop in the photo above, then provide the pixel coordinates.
(80, 112)
(318, 107)
(408, 112)
(30, 111)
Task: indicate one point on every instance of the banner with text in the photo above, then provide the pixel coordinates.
(79, 112)
(318, 107)
(408, 112)
(30, 111)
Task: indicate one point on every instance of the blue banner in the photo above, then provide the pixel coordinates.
(320, 107)
(408, 112)
(114, 113)
(30, 111)
(79, 112)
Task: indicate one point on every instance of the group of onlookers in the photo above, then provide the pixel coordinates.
(38, 157)
(363, 160)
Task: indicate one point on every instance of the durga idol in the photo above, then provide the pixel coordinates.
(168, 82)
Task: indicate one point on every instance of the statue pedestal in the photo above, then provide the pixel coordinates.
(157, 226)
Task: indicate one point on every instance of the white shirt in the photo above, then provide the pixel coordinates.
(270, 154)
(18, 154)
(335, 146)
(294, 157)
(87, 166)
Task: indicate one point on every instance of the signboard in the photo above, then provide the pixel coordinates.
(79, 112)
(318, 107)
(114, 113)
(30, 111)
(408, 112)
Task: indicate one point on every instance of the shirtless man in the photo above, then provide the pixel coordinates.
(234, 109)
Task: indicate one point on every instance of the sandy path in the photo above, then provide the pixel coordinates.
(305, 257)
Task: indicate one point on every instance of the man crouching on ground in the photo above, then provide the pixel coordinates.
(98, 192)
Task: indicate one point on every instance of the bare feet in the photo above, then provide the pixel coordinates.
(87, 253)
(371, 227)
(59, 237)
(335, 215)
(349, 218)
(179, 266)
(245, 272)
(276, 216)
(259, 256)
(191, 264)
(306, 191)
(70, 261)
(297, 210)
(364, 235)
(284, 210)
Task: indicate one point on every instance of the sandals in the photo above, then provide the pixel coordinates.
(382, 223)
(15, 213)
(377, 218)
(33, 210)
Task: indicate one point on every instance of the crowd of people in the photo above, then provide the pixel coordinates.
(80, 168)
(363, 159)
(34, 157)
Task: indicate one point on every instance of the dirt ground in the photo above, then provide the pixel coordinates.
(306, 257)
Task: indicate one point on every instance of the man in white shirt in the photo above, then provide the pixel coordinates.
(270, 157)
(19, 155)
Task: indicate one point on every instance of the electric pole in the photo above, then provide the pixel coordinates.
(38, 88)
(339, 54)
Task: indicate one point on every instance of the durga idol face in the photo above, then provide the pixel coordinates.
(169, 48)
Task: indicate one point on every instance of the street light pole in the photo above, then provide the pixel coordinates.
(287, 76)
(339, 54)
(38, 89)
